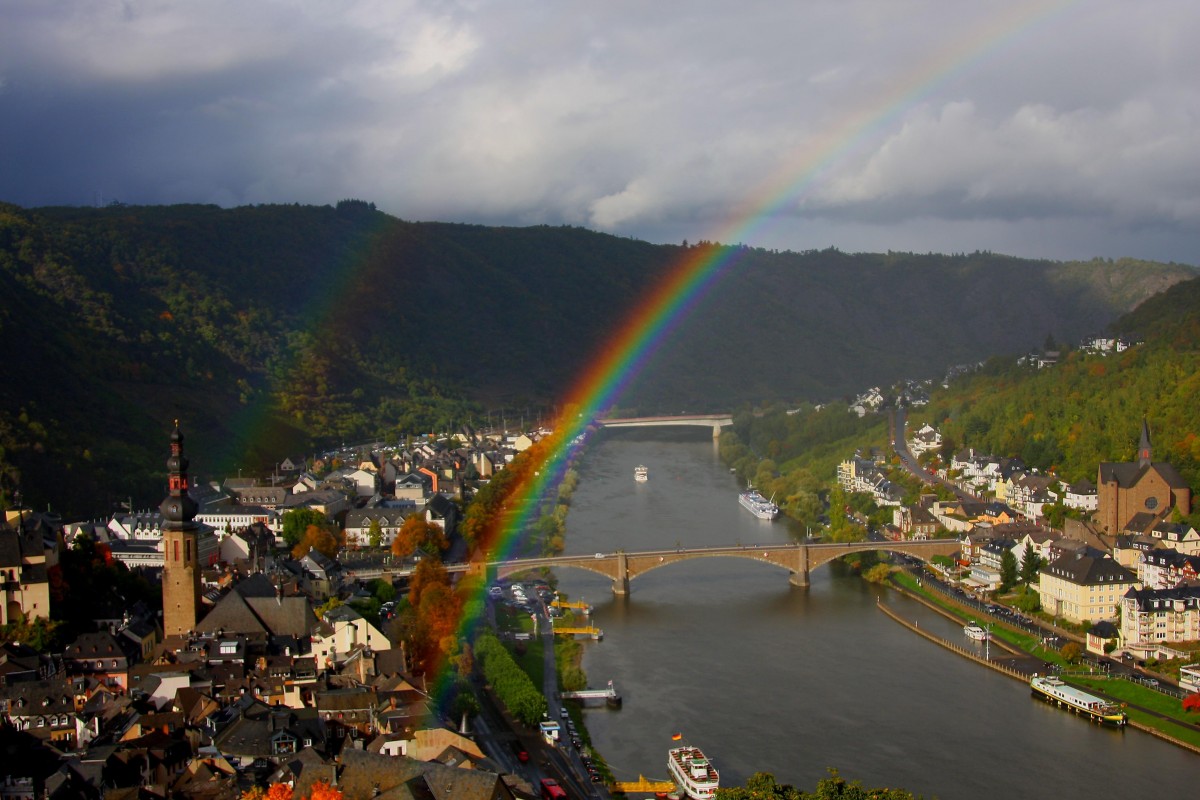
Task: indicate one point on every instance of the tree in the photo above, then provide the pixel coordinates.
(375, 534)
(323, 540)
(1008, 570)
(297, 521)
(418, 534)
(384, 591)
(1031, 564)
(763, 786)
(878, 573)
(1071, 652)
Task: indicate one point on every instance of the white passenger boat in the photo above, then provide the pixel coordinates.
(692, 772)
(1094, 708)
(975, 631)
(758, 505)
(641, 474)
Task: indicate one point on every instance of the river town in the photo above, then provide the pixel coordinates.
(255, 687)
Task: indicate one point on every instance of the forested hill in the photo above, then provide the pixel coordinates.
(271, 329)
(1085, 409)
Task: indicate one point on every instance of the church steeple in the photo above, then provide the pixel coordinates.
(181, 562)
(178, 509)
(1144, 445)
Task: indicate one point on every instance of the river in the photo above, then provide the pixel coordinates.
(764, 676)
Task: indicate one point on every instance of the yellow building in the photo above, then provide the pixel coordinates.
(27, 551)
(1084, 586)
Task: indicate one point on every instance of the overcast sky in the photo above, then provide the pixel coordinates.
(1065, 130)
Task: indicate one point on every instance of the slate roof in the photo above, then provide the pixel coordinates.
(254, 606)
(400, 778)
(1089, 570)
(1129, 473)
(255, 725)
(1165, 599)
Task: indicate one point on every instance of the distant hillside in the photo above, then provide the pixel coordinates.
(1086, 409)
(271, 330)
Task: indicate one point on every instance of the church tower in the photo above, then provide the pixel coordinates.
(1144, 445)
(181, 566)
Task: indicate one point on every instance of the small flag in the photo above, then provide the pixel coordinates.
(675, 737)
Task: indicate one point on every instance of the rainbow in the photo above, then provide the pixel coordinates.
(686, 283)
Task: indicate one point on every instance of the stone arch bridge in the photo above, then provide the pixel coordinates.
(798, 559)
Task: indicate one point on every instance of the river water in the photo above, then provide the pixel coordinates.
(764, 676)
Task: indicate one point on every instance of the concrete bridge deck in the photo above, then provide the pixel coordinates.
(715, 421)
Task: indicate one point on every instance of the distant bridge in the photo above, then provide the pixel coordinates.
(715, 421)
(622, 566)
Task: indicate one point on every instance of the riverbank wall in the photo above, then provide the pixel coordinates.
(1002, 668)
(959, 649)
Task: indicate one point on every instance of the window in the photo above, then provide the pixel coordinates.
(1151, 503)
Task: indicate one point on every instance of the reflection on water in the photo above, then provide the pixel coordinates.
(765, 676)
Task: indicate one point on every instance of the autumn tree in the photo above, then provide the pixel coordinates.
(418, 534)
(323, 540)
(281, 791)
(297, 521)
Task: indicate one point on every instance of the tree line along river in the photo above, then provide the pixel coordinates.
(764, 676)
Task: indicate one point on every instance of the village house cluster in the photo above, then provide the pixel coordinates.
(240, 681)
(1124, 566)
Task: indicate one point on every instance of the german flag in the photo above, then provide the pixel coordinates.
(675, 737)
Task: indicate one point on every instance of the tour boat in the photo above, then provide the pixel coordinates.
(692, 772)
(641, 474)
(976, 631)
(1095, 708)
(758, 505)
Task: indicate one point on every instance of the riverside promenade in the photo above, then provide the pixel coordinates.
(1021, 675)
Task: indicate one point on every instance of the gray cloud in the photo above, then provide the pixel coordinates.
(1063, 131)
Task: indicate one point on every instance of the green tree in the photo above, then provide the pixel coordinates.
(297, 521)
(384, 591)
(1008, 570)
(1028, 600)
(763, 786)
(878, 573)
(1031, 564)
(374, 534)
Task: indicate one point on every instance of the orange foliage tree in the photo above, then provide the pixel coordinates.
(416, 533)
(281, 791)
(323, 540)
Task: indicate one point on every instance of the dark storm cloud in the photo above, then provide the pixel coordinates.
(657, 120)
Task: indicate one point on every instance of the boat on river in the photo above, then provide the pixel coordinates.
(975, 631)
(692, 772)
(641, 474)
(758, 505)
(1097, 709)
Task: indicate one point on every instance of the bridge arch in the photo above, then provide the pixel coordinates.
(798, 559)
